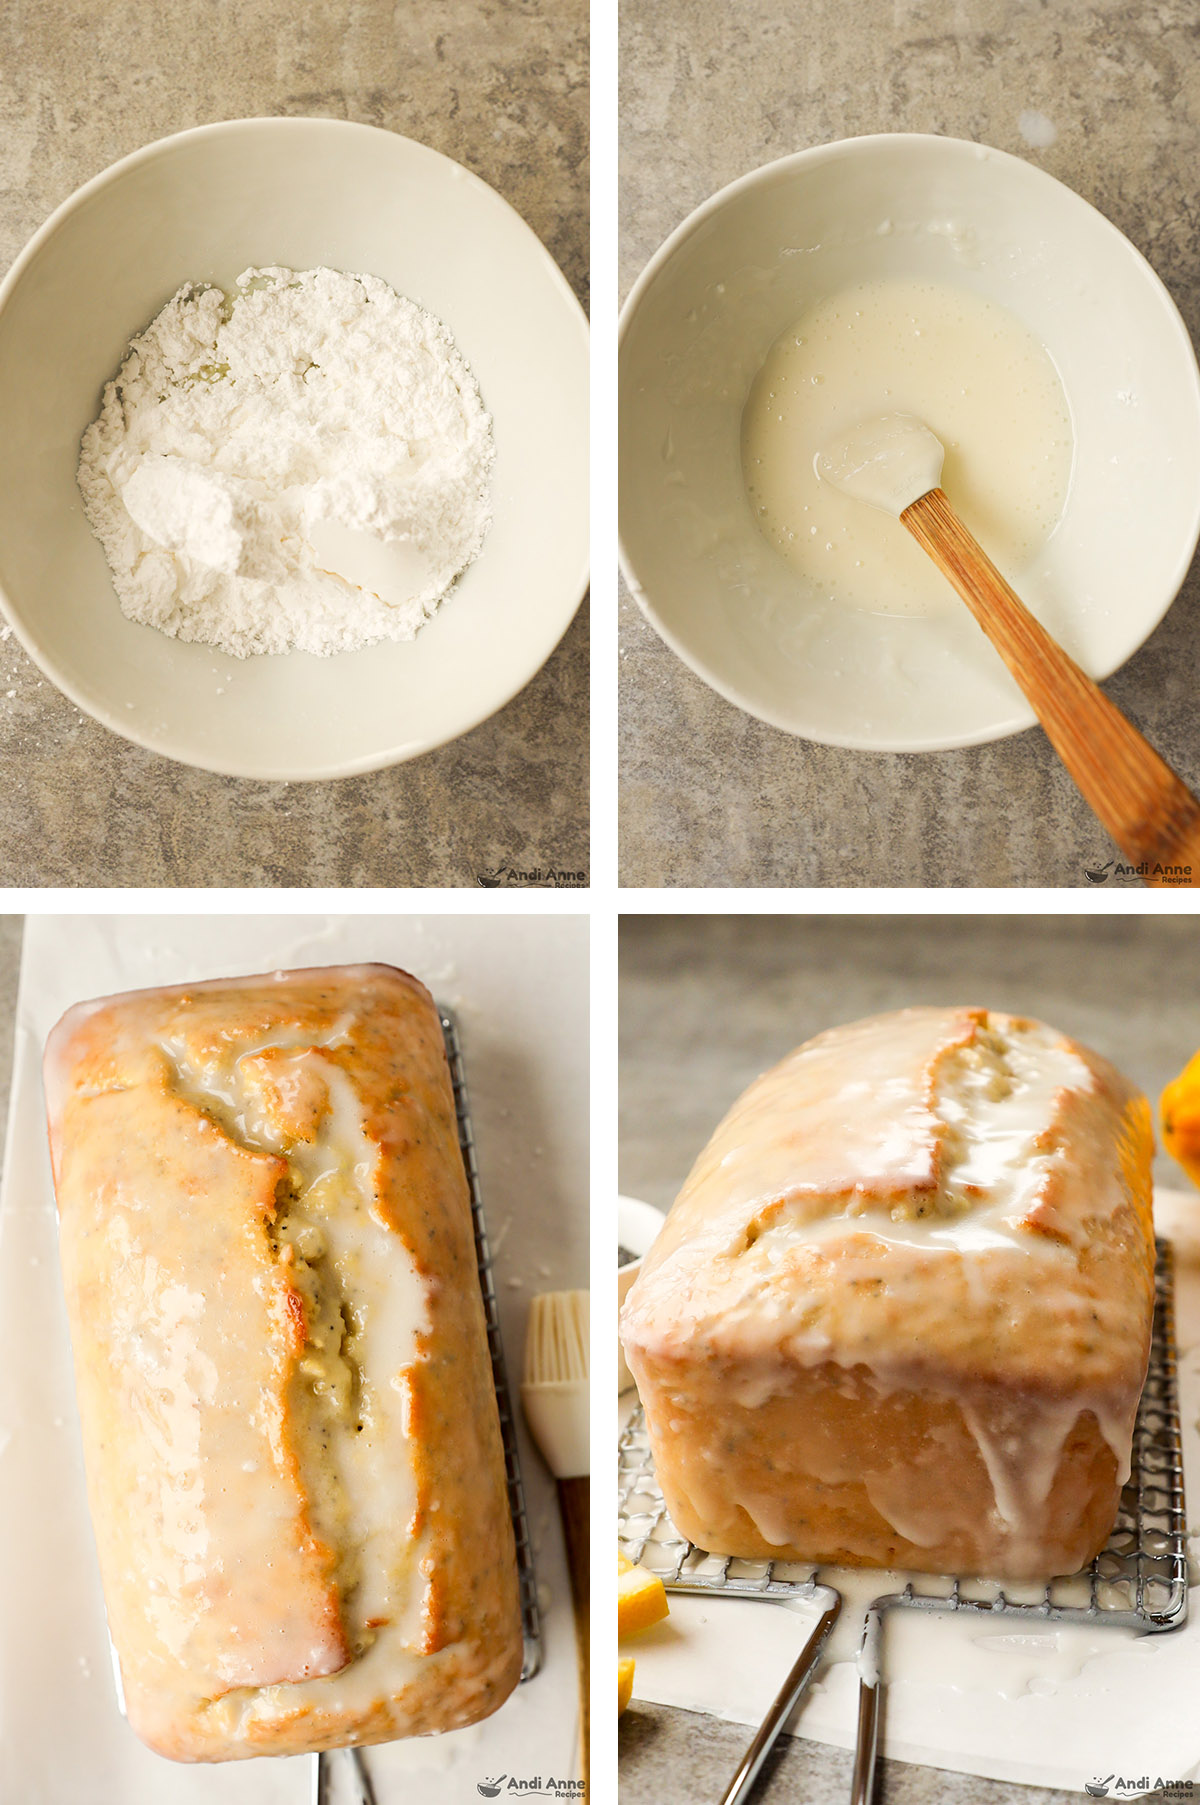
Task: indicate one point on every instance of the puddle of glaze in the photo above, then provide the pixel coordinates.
(965, 366)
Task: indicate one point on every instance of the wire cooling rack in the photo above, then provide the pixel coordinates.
(354, 1770)
(531, 1617)
(1139, 1579)
(646, 1534)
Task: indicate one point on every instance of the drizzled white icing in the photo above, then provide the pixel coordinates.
(974, 1137)
(337, 1526)
(932, 1204)
(364, 1313)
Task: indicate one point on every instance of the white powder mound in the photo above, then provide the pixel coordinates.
(302, 465)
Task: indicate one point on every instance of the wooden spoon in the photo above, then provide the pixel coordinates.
(895, 463)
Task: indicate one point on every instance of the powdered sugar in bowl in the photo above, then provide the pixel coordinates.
(303, 464)
(296, 195)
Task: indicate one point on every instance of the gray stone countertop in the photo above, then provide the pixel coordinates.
(708, 1002)
(711, 797)
(500, 85)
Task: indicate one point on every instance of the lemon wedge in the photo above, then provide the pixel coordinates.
(1181, 1119)
(641, 1600)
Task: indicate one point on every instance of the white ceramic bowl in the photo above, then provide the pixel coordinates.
(204, 206)
(740, 270)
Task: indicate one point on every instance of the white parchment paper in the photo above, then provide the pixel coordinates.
(520, 987)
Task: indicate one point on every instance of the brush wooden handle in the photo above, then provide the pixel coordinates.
(574, 1503)
(1150, 813)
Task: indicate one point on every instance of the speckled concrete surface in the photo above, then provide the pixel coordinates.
(501, 85)
(667, 1757)
(709, 796)
(707, 1002)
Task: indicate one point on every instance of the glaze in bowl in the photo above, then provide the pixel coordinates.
(743, 268)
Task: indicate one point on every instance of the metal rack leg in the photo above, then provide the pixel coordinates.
(870, 1699)
(740, 1786)
(322, 1776)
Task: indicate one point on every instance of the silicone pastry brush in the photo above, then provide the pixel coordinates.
(554, 1394)
(895, 463)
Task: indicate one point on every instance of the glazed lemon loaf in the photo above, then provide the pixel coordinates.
(290, 1430)
(900, 1313)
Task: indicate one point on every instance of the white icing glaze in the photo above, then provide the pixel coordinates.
(300, 1222)
(995, 1097)
(935, 352)
(988, 1110)
(387, 1306)
(365, 1306)
(892, 1200)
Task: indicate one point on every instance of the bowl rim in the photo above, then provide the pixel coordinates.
(637, 1221)
(1022, 718)
(149, 740)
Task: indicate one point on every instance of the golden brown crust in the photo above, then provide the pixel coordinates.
(158, 1184)
(855, 1340)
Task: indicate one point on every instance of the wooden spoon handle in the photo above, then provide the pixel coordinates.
(1150, 813)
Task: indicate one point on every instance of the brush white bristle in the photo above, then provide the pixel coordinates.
(554, 1391)
(556, 1340)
